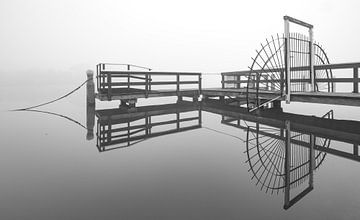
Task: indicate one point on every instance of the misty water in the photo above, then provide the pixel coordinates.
(49, 170)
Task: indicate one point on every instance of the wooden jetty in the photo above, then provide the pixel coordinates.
(129, 86)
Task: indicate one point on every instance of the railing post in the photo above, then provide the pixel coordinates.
(102, 68)
(200, 83)
(146, 85)
(356, 80)
(222, 81)
(282, 81)
(128, 75)
(150, 80)
(109, 85)
(97, 77)
(177, 83)
(312, 58)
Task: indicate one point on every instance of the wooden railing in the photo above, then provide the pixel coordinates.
(239, 79)
(109, 79)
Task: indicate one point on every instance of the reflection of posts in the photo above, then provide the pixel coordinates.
(287, 163)
(90, 105)
(288, 168)
(90, 120)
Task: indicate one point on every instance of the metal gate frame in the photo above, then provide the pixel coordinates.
(287, 20)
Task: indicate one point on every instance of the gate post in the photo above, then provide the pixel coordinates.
(311, 51)
(287, 59)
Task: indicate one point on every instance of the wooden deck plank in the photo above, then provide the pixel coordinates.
(121, 94)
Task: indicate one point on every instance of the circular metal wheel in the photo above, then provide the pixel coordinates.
(265, 151)
(267, 69)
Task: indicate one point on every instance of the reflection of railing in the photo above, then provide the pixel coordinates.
(284, 149)
(110, 80)
(117, 129)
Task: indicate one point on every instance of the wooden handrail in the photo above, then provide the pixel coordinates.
(301, 68)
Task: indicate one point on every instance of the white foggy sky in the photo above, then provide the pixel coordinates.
(206, 36)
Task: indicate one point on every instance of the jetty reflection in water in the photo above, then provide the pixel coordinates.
(283, 149)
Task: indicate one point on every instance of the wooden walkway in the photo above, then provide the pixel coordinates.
(336, 98)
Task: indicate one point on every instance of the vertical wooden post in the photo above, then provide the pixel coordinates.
(177, 82)
(312, 58)
(98, 70)
(356, 150)
(103, 75)
(90, 87)
(150, 80)
(222, 81)
(282, 81)
(287, 59)
(128, 76)
(200, 83)
(356, 80)
(109, 85)
(146, 85)
(90, 105)
(287, 164)
(178, 85)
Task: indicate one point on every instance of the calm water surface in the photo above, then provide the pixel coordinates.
(49, 170)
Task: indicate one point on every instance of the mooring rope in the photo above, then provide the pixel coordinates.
(56, 114)
(52, 101)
